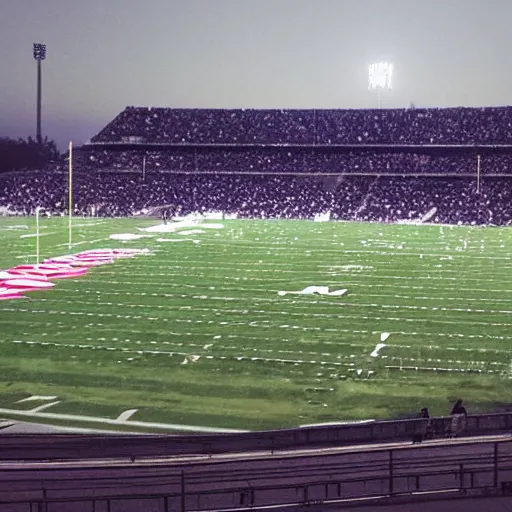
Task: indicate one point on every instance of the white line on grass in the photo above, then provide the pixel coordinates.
(341, 304)
(43, 407)
(349, 366)
(116, 422)
(254, 323)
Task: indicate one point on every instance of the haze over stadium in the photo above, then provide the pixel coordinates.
(103, 56)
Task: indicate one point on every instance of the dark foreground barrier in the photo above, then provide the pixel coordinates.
(89, 446)
(291, 482)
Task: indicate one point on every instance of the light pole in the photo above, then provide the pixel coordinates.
(380, 76)
(39, 55)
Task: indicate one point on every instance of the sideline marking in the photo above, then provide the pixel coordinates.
(109, 421)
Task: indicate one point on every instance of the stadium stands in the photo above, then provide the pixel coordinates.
(454, 126)
(369, 198)
(209, 126)
(288, 160)
(288, 164)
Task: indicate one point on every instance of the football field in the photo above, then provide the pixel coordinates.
(210, 328)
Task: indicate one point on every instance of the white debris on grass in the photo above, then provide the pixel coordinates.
(126, 236)
(322, 217)
(192, 232)
(173, 227)
(309, 290)
(377, 349)
(172, 240)
(170, 227)
(213, 215)
(191, 359)
(212, 226)
(384, 336)
(125, 415)
(337, 293)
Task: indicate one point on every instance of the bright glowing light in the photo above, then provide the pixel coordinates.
(380, 75)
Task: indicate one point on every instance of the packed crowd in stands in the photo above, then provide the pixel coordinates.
(211, 126)
(466, 126)
(296, 160)
(274, 178)
(367, 198)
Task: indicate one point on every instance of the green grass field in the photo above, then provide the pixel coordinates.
(116, 339)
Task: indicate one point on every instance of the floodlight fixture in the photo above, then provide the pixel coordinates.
(380, 77)
(39, 52)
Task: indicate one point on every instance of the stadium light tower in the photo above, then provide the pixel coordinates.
(380, 76)
(39, 55)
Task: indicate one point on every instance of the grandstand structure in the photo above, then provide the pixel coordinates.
(412, 142)
(370, 165)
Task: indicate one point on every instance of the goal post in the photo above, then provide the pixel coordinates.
(70, 194)
(37, 235)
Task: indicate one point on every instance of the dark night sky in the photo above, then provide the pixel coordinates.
(106, 54)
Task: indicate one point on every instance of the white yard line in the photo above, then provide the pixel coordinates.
(266, 291)
(33, 235)
(43, 407)
(342, 304)
(401, 254)
(83, 242)
(256, 323)
(431, 276)
(36, 398)
(137, 351)
(116, 422)
(337, 364)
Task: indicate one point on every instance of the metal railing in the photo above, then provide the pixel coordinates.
(389, 473)
(91, 446)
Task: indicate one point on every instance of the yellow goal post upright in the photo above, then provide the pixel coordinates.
(70, 194)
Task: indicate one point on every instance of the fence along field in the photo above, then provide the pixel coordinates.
(198, 333)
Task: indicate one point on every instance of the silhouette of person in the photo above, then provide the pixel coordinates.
(459, 408)
(429, 432)
(425, 428)
(459, 416)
